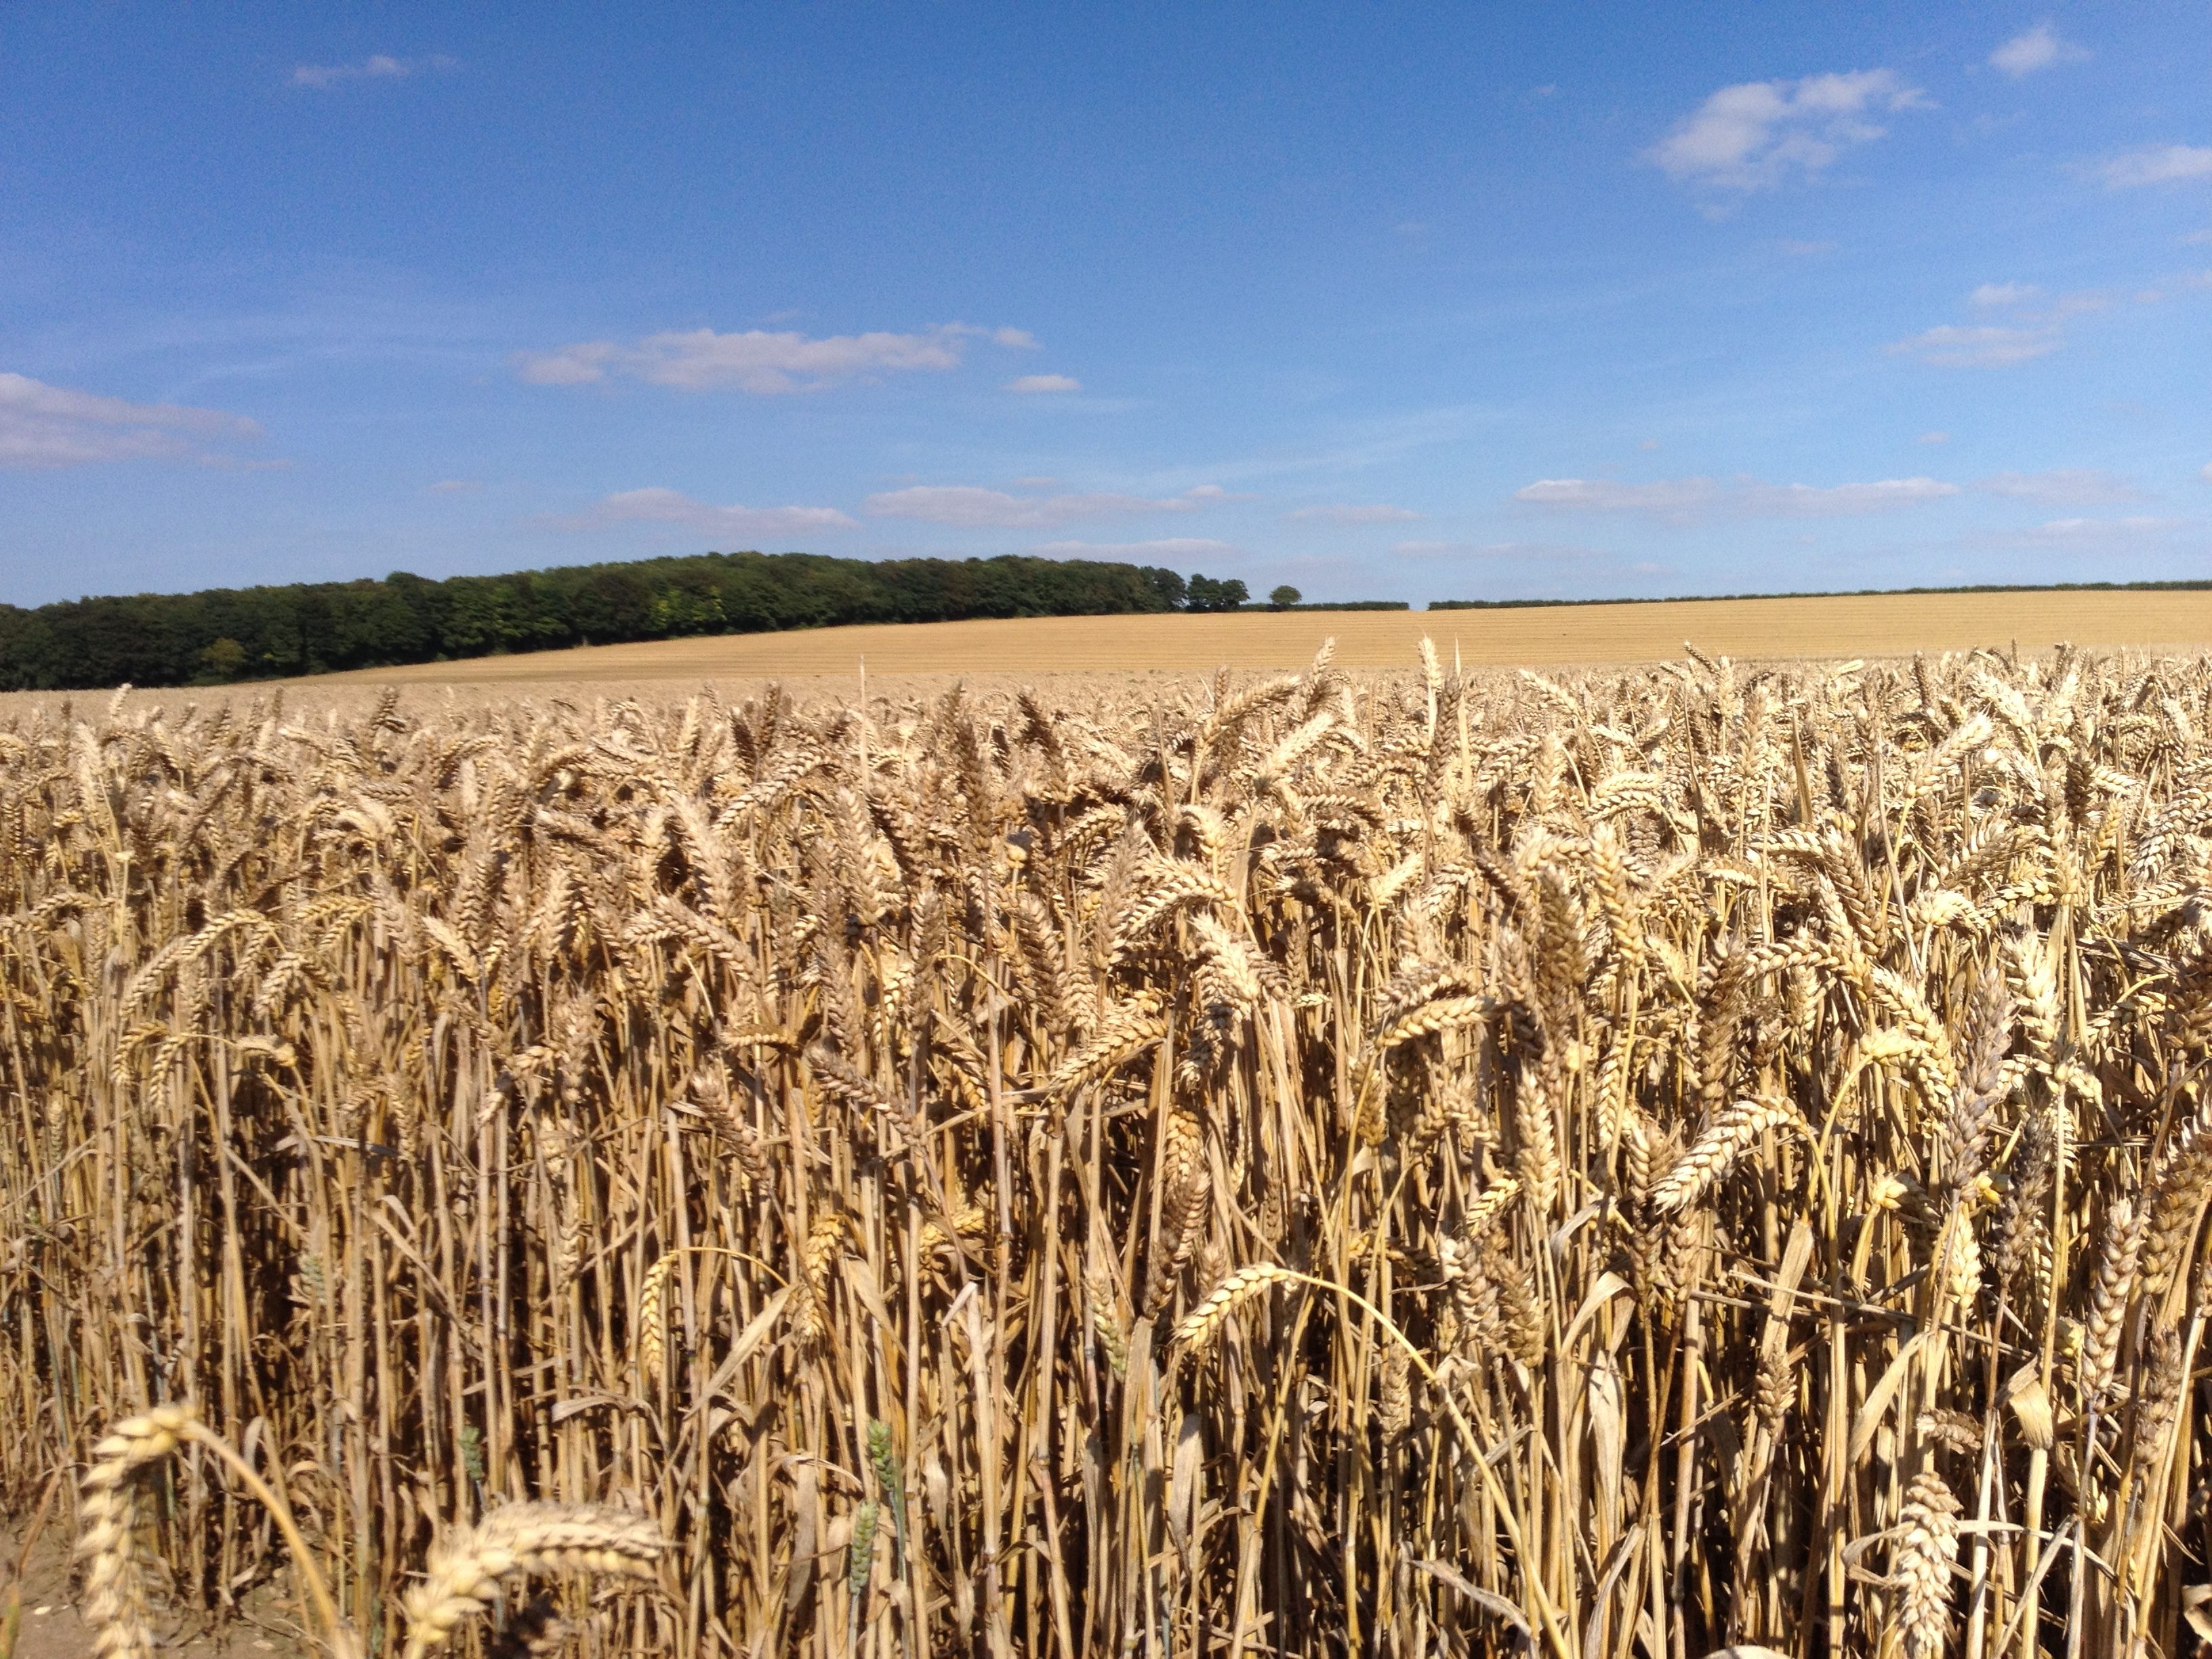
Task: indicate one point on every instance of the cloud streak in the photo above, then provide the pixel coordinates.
(2088, 533)
(380, 67)
(1550, 552)
(758, 361)
(1701, 499)
(2156, 164)
(1759, 134)
(2068, 486)
(1347, 513)
(972, 506)
(1033, 384)
(44, 427)
(1976, 345)
(1172, 547)
(661, 505)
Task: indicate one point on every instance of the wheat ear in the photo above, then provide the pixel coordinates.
(1928, 1545)
(115, 1596)
(1198, 1325)
(1706, 1165)
(114, 1587)
(467, 1564)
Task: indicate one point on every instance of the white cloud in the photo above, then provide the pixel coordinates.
(1954, 345)
(1933, 438)
(456, 486)
(44, 426)
(2198, 238)
(1374, 512)
(972, 506)
(2207, 473)
(2157, 164)
(380, 67)
(2040, 48)
(1684, 500)
(1172, 547)
(671, 506)
(2002, 294)
(1043, 383)
(1015, 339)
(2068, 486)
(757, 360)
(1755, 135)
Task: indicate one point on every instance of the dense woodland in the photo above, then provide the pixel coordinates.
(307, 627)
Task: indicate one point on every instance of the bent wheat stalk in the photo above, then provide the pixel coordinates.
(115, 1601)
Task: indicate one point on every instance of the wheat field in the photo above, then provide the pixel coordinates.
(1837, 626)
(1598, 1164)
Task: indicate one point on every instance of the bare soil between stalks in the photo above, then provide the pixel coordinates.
(265, 1628)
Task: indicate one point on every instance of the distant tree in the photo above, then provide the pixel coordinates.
(1207, 595)
(255, 633)
(1168, 587)
(1285, 596)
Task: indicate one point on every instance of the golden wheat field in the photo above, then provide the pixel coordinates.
(1832, 626)
(1598, 1164)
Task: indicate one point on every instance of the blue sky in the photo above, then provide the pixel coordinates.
(1386, 301)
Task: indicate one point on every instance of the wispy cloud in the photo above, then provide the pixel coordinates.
(1982, 345)
(756, 360)
(662, 506)
(1688, 501)
(2040, 48)
(1756, 135)
(380, 67)
(1172, 547)
(2066, 486)
(1933, 438)
(1347, 513)
(972, 506)
(44, 426)
(2156, 164)
(2034, 327)
(2088, 532)
(1549, 551)
(1035, 383)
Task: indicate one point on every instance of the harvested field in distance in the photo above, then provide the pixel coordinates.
(1870, 625)
(1604, 1166)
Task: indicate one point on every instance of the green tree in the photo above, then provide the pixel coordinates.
(224, 659)
(1207, 595)
(1285, 596)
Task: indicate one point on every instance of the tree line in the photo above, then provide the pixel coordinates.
(309, 628)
